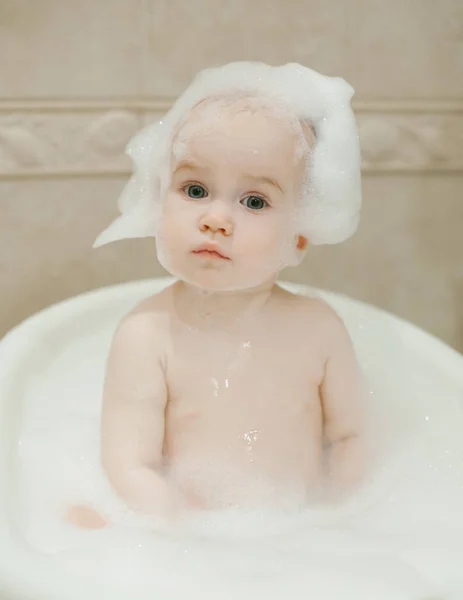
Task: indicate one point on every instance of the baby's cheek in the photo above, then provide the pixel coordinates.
(171, 228)
(276, 241)
(264, 249)
(167, 241)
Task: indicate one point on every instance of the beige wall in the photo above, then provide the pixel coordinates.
(78, 77)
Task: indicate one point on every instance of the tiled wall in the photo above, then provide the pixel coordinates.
(78, 77)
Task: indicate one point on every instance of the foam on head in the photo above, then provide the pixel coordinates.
(331, 195)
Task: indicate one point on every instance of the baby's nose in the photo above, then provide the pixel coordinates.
(216, 222)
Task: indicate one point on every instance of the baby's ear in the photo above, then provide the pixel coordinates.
(302, 243)
(299, 251)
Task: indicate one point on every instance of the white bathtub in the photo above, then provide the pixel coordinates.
(27, 352)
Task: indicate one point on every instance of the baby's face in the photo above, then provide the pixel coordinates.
(228, 213)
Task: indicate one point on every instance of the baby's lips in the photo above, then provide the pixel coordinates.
(212, 248)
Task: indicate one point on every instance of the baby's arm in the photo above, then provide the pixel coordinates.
(343, 398)
(134, 401)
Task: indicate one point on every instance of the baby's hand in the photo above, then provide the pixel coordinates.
(85, 518)
(172, 514)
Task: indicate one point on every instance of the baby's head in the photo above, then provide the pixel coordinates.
(236, 173)
(252, 161)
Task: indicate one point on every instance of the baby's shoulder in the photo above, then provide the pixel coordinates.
(146, 324)
(314, 313)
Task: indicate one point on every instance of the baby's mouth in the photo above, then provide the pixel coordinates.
(210, 251)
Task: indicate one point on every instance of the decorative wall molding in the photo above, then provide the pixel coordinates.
(82, 138)
(411, 142)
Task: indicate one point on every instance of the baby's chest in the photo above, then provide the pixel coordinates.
(252, 375)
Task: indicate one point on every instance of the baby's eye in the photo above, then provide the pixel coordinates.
(195, 191)
(254, 202)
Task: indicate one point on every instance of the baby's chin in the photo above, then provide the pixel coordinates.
(222, 280)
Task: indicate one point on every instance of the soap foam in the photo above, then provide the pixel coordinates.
(399, 537)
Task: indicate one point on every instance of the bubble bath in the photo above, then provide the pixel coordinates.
(400, 536)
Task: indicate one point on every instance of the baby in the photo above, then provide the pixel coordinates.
(225, 389)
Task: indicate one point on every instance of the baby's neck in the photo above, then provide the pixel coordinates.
(200, 307)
